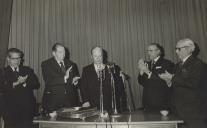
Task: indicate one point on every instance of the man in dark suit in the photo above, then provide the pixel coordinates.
(73, 90)
(188, 83)
(59, 74)
(156, 92)
(17, 84)
(92, 76)
(72, 94)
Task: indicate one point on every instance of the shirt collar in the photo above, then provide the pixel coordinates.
(13, 69)
(97, 68)
(156, 59)
(60, 62)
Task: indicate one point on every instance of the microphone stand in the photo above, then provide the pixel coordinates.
(113, 90)
(101, 76)
(127, 97)
(101, 93)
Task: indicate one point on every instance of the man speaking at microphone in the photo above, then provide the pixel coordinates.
(92, 76)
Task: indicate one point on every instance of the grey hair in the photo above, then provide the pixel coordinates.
(189, 43)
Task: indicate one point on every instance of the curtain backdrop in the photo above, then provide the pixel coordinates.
(5, 19)
(123, 28)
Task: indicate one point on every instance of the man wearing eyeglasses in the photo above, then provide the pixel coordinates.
(188, 95)
(17, 84)
(156, 92)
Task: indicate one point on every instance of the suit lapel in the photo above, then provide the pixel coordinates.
(56, 65)
(11, 73)
(180, 67)
(188, 61)
(67, 64)
(157, 63)
(93, 71)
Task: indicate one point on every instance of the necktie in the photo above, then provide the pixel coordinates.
(179, 67)
(152, 65)
(16, 72)
(62, 67)
(98, 71)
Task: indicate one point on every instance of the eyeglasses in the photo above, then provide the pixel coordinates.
(17, 58)
(152, 50)
(180, 48)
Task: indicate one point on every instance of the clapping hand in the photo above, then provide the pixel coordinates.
(75, 80)
(68, 72)
(143, 67)
(22, 79)
(166, 77)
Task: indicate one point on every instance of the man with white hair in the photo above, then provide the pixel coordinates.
(96, 73)
(188, 99)
(90, 82)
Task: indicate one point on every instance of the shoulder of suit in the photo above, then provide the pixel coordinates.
(166, 61)
(26, 68)
(48, 61)
(199, 61)
(88, 67)
(5, 69)
(69, 62)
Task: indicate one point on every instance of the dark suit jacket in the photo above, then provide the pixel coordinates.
(90, 87)
(57, 93)
(188, 95)
(121, 99)
(156, 93)
(19, 102)
(72, 93)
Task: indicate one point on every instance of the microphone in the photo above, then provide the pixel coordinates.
(124, 75)
(111, 67)
(110, 64)
(100, 69)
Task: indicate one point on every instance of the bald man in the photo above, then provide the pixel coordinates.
(90, 82)
(188, 96)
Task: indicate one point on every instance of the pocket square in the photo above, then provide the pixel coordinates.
(158, 67)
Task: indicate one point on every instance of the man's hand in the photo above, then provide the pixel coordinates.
(143, 67)
(75, 80)
(21, 80)
(67, 73)
(86, 104)
(166, 77)
(141, 63)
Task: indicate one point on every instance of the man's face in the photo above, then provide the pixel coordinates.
(97, 56)
(14, 59)
(182, 50)
(153, 52)
(59, 54)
